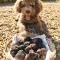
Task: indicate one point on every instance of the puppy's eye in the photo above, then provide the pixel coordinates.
(22, 4)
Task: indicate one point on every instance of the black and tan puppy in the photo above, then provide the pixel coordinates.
(27, 45)
(19, 45)
(29, 23)
(35, 45)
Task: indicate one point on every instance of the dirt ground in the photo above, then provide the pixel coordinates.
(50, 14)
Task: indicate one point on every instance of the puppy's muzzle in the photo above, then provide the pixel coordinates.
(27, 11)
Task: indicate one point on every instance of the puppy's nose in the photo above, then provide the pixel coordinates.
(27, 11)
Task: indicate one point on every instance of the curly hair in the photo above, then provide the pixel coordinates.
(38, 5)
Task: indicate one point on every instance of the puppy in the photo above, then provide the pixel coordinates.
(29, 23)
(35, 44)
(29, 16)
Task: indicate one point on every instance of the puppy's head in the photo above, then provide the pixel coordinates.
(29, 8)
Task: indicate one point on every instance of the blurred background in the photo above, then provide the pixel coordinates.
(3, 1)
(50, 15)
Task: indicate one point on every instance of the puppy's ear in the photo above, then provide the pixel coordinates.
(39, 6)
(17, 6)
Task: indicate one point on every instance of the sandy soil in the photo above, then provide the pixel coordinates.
(50, 14)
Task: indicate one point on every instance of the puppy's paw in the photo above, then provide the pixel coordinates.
(20, 55)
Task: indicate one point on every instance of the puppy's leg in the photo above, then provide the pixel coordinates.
(31, 56)
(39, 52)
(27, 57)
(20, 55)
(42, 53)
